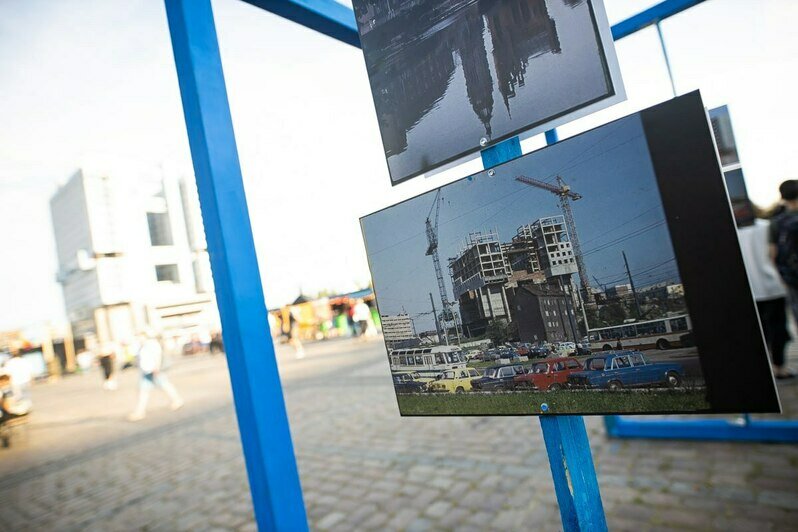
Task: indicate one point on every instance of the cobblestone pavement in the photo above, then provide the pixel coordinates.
(81, 466)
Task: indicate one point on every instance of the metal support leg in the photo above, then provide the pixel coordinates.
(573, 473)
(260, 408)
(566, 440)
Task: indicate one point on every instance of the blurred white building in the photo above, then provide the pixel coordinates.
(132, 256)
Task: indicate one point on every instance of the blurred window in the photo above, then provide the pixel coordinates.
(679, 324)
(167, 273)
(160, 230)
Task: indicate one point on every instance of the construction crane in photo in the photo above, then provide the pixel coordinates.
(432, 250)
(566, 195)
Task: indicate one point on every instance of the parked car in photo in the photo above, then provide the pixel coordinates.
(473, 354)
(454, 381)
(583, 350)
(551, 374)
(626, 369)
(507, 353)
(565, 348)
(490, 355)
(539, 352)
(408, 383)
(498, 377)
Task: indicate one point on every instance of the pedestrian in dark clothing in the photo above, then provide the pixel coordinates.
(107, 361)
(783, 240)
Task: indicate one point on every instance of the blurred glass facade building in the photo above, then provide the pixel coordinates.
(132, 257)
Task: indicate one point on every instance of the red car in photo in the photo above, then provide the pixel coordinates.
(550, 374)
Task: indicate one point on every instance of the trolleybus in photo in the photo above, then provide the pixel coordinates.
(427, 361)
(662, 333)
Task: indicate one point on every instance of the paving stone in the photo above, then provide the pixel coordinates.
(375, 522)
(403, 518)
(365, 468)
(330, 520)
(421, 524)
(438, 509)
(453, 518)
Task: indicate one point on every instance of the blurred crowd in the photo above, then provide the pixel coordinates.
(147, 353)
(323, 319)
(769, 244)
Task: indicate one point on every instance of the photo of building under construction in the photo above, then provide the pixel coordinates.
(488, 69)
(552, 274)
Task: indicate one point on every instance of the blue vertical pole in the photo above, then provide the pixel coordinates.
(260, 408)
(567, 445)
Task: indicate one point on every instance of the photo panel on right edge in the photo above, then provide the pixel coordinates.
(598, 275)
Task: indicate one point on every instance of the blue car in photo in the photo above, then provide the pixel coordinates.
(626, 369)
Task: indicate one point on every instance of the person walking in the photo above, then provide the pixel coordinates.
(350, 320)
(107, 360)
(21, 374)
(150, 360)
(293, 334)
(11, 405)
(362, 317)
(769, 292)
(783, 239)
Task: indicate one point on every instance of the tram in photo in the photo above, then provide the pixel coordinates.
(664, 333)
(427, 361)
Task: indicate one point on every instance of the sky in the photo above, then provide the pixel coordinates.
(620, 210)
(91, 84)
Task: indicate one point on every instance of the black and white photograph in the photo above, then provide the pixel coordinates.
(450, 77)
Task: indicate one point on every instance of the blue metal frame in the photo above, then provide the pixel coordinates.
(567, 444)
(652, 15)
(574, 474)
(338, 21)
(744, 430)
(324, 16)
(260, 408)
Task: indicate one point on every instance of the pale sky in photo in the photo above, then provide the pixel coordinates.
(92, 84)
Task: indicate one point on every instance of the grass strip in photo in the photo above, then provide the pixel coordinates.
(566, 401)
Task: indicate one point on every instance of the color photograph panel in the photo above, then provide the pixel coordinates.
(550, 280)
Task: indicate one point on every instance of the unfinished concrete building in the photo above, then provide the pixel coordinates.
(480, 273)
(487, 275)
(549, 239)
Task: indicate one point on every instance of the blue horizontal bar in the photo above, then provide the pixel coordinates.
(704, 429)
(338, 21)
(652, 15)
(325, 16)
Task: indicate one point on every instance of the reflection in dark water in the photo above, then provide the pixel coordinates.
(410, 79)
(519, 30)
(415, 50)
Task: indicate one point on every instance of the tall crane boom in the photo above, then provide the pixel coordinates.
(432, 250)
(566, 195)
